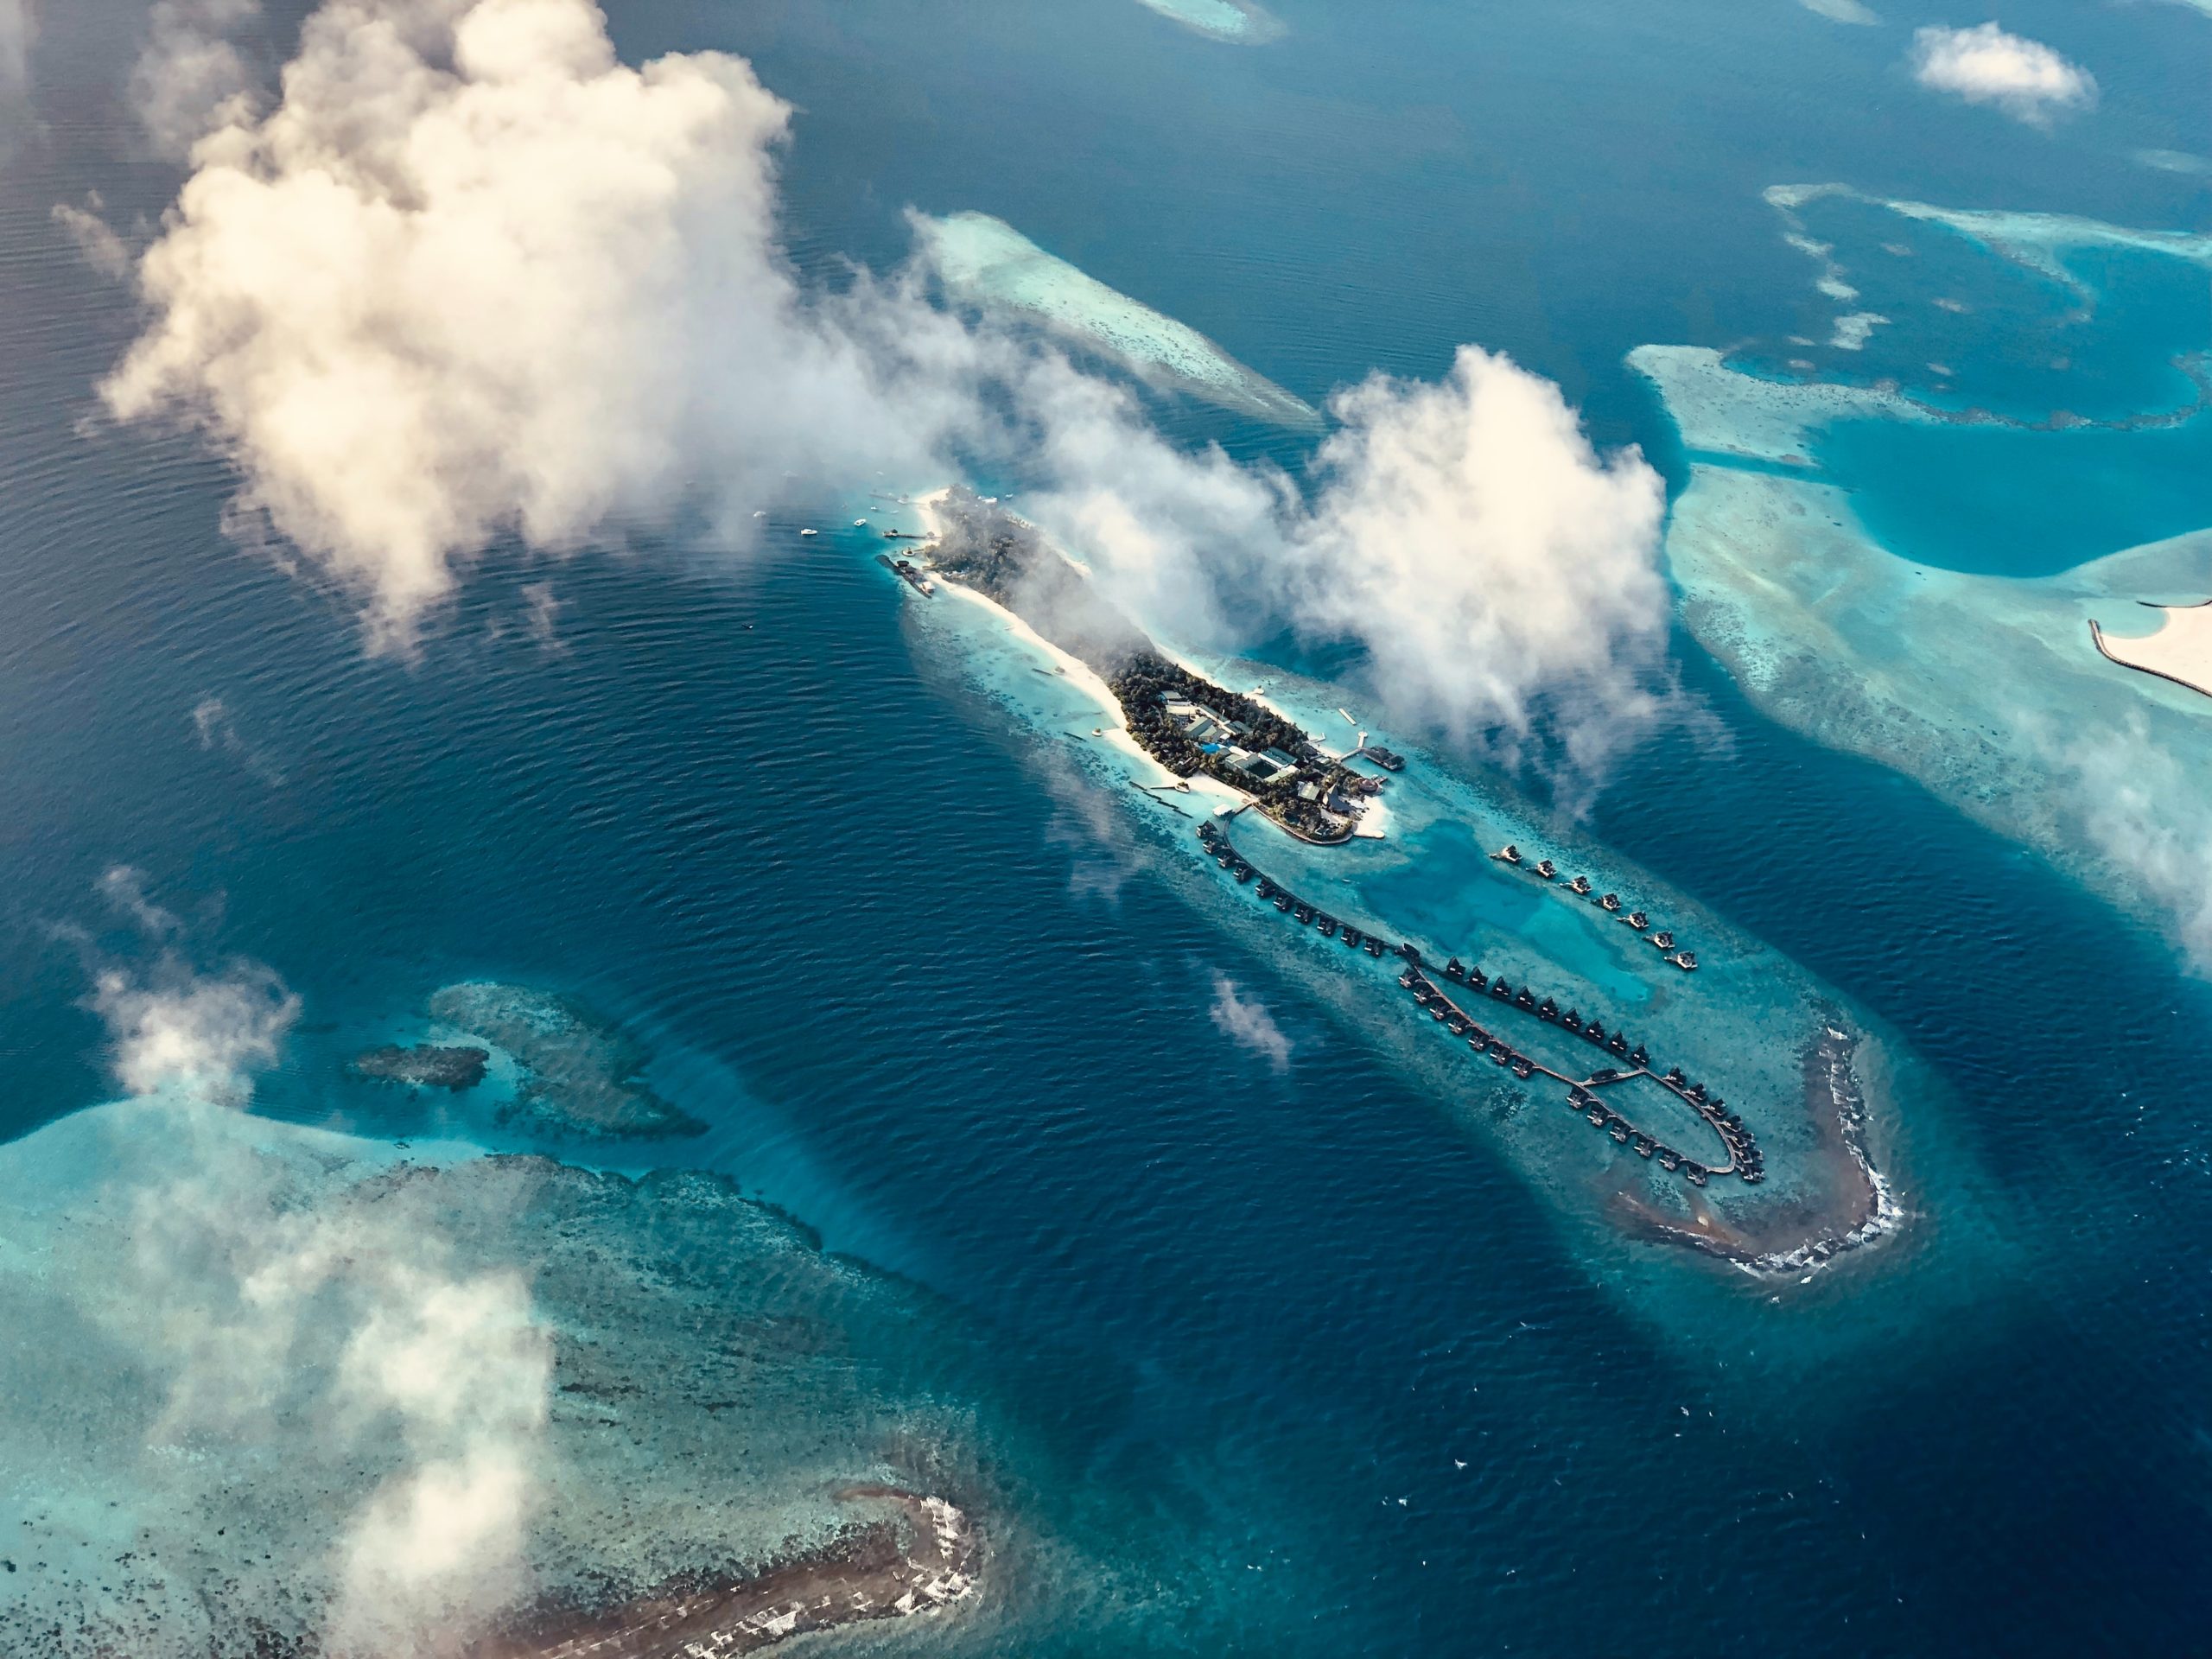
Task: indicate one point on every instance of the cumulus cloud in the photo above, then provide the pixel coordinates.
(470, 277)
(191, 76)
(1246, 1021)
(1500, 577)
(18, 23)
(1984, 65)
(1491, 560)
(179, 1032)
(2131, 797)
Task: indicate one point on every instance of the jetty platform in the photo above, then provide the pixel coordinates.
(1501, 1004)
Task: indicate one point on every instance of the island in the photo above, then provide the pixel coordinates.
(1184, 720)
(425, 1066)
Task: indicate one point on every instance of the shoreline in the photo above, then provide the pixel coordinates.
(1372, 824)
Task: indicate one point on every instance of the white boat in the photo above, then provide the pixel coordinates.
(806, 533)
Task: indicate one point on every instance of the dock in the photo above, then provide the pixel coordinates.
(1500, 1002)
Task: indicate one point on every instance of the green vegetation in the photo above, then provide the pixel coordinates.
(1312, 796)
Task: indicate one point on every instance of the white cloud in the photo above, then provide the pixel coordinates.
(1841, 11)
(1494, 565)
(469, 277)
(180, 1033)
(1247, 1023)
(2131, 797)
(104, 251)
(18, 26)
(1984, 65)
(191, 78)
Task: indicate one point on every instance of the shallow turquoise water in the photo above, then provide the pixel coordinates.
(949, 1007)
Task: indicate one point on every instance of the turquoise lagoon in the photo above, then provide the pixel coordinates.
(1352, 1356)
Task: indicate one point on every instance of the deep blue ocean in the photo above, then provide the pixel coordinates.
(941, 1008)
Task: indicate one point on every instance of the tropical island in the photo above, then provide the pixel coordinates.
(425, 1066)
(1181, 718)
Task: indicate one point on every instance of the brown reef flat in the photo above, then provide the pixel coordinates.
(920, 1560)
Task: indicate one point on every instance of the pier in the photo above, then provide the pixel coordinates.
(1452, 1014)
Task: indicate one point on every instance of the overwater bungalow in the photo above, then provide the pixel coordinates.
(1373, 946)
(1526, 999)
(1638, 919)
(1665, 941)
(1611, 902)
(1618, 1043)
(1641, 1058)
(1595, 1031)
(1548, 1009)
(1508, 854)
(1455, 969)
(1475, 977)
(1546, 869)
(1498, 987)
(1580, 885)
(1571, 1020)
(1686, 961)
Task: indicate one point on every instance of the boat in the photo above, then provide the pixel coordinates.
(859, 523)
(806, 533)
(1686, 961)
(1546, 869)
(1508, 854)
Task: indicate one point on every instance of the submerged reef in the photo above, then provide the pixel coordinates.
(425, 1066)
(580, 1074)
(986, 263)
(1243, 22)
(920, 1560)
(280, 1392)
(1999, 694)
